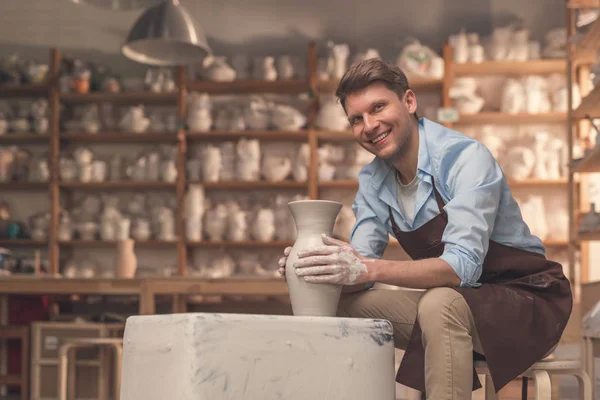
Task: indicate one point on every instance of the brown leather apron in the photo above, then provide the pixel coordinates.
(520, 310)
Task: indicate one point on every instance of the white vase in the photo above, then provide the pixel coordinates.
(312, 218)
(126, 261)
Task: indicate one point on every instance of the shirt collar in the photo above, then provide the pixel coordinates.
(423, 163)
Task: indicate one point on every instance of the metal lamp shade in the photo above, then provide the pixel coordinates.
(166, 35)
(119, 5)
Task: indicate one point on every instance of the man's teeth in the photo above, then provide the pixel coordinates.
(380, 137)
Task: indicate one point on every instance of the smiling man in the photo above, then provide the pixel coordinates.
(488, 289)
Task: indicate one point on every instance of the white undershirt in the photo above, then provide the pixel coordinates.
(407, 195)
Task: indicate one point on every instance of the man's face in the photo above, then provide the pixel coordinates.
(380, 121)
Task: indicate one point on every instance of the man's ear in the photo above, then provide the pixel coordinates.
(410, 99)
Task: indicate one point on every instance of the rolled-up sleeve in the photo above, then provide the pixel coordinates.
(475, 183)
(369, 236)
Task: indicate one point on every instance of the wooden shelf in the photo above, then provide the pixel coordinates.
(339, 184)
(589, 236)
(119, 137)
(589, 105)
(291, 86)
(250, 134)
(556, 243)
(583, 4)
(111, 244)
(511, 119)
(14, 332)
(251, 185)
(538, 182)
(118, 185)
(25, 90)
(589, 163)
(22, 243)
(10, 380)
(23, 186)
(247, 243)
(337, 136)
(24, 138)
(512, 68)
(122, 98)
(416, 83)
(353, 184)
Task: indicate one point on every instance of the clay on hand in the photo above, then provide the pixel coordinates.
(283, 261)
(335, 263)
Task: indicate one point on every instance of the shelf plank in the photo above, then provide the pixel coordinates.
(288, 86)
(353, 184)
(24, 90)
(23, 186)
(537, 182)
(247, 243)
(574, 4)
(589, 105)
(118, 185)
(338, 136)
(22, 243)
(301, 135)
(10, 380)
(416, 83)
(24, 138)
(589, 236)
(251, 185)
(340, 184)
(511, 68)
(120, 98)
(589, 163)
(120, 137)
(111, 244)
(14, 332)
(511, 119)
(556, 243)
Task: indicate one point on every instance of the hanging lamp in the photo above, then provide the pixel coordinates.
(166, 35)
(119, 5)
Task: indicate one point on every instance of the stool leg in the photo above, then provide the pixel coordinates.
(490, 391)
(63, 363)
(118, 367)
(585, 385)
(543, 386)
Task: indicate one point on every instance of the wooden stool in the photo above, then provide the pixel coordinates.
(540, 372)
(72, 345)
(21, 333)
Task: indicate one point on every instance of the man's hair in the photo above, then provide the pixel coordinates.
(364, 73)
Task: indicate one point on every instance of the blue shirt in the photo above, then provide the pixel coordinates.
(479, 203)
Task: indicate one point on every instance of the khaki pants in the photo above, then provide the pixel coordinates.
(449, 334)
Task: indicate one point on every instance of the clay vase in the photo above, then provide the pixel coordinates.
(126, 261)
(312, 218)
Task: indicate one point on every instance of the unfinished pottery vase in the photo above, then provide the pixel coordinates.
(312, 218)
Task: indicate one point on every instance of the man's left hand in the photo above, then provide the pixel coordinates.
(336, 263)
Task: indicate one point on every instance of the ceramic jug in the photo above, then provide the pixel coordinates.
(126, 261)
(312, 218)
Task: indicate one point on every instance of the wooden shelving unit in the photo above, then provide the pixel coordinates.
(580, 57)
(182, 139)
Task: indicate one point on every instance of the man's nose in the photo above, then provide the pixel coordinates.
(371, 123)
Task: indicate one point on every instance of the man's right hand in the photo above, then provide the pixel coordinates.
(283, 261)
